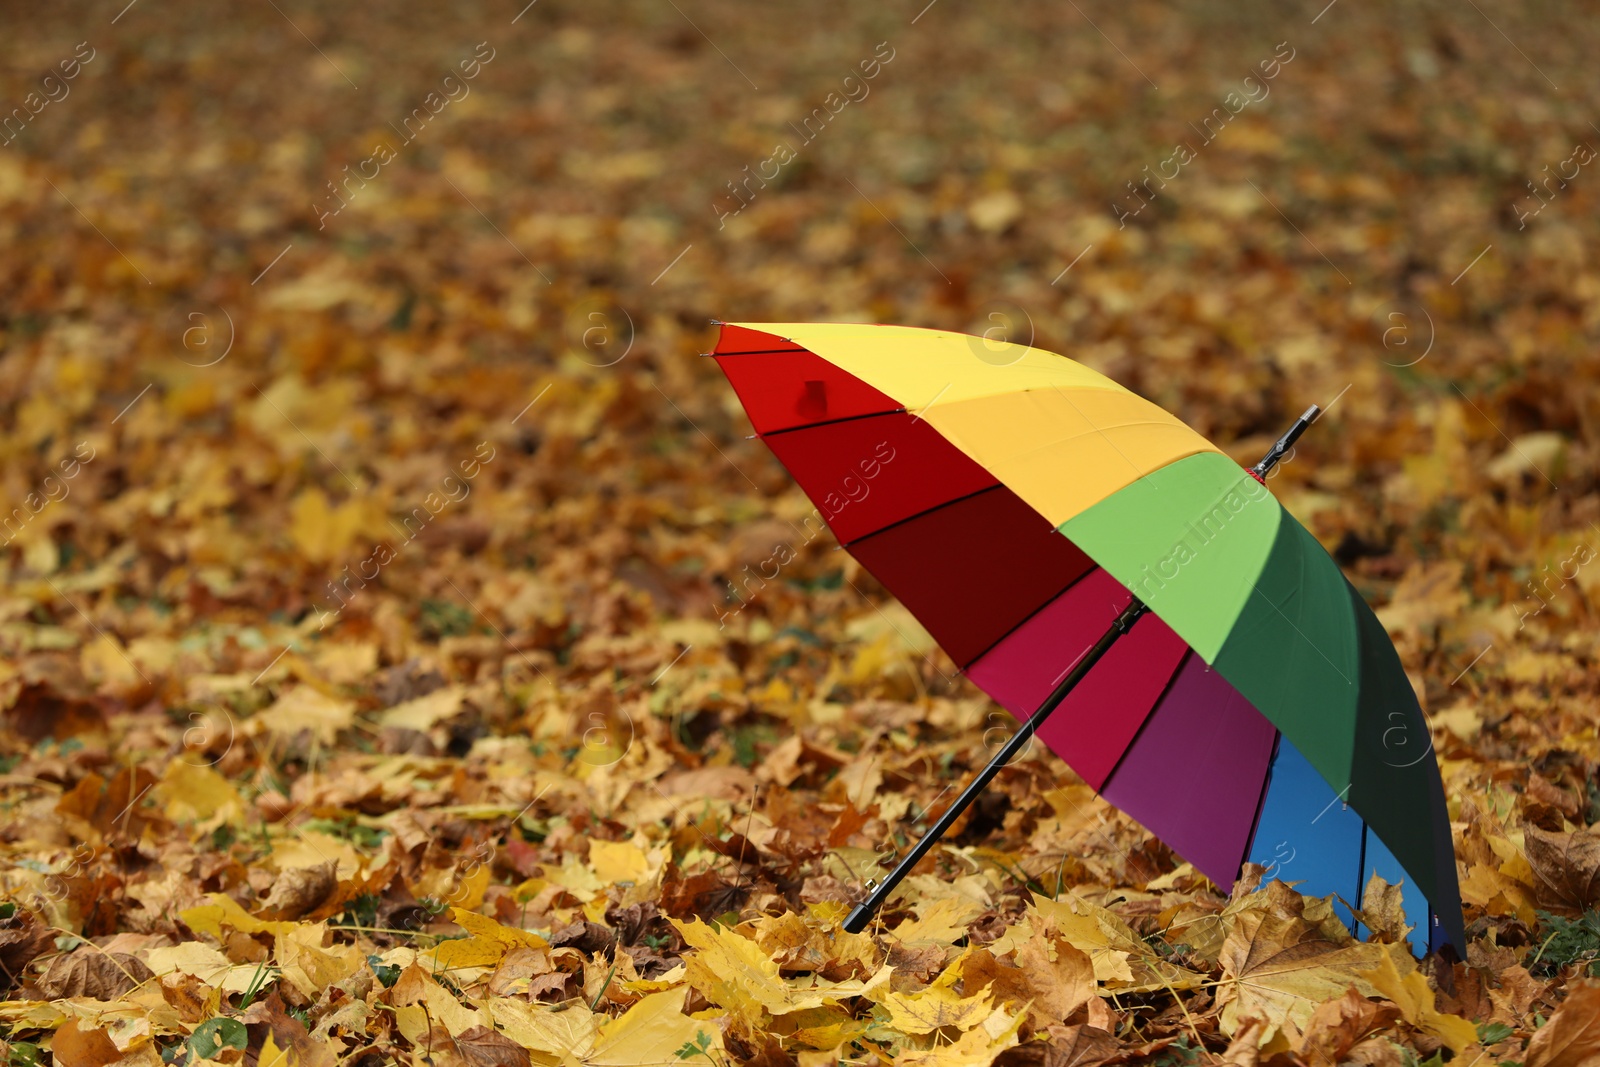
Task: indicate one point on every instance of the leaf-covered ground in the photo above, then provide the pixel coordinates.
(405, 657)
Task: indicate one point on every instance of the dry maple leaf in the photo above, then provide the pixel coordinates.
(1566, 869)
(1068, 1046)
(1339, 1025)
(653, 1030)
(937, 1007)
(1383, 910)
(735, 973)
(92, 973)
(1267, 974)
(1571, 1037)
(1414, 997)
(477, 1046)
(300, 890)
(978, 1046)
(22, 938)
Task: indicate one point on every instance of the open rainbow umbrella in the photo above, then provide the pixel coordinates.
(1115, 580)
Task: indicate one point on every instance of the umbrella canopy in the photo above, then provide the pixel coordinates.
(1016, 501)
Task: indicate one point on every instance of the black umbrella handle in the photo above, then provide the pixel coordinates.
(1285, 442)
(863, 912)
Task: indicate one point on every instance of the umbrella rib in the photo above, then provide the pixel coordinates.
(1261, 801)
(834, 422)
(922, 514)
(1102, 433)
(1257, 590)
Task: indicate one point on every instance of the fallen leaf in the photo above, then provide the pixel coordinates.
(73, 1045)
(96, 974)
(1278, 970)
(1412, 994)
(1339, 1025)
(650, 1031)
(300, 890)
(1571, 1036)
(477, 1046)
(1566, 868)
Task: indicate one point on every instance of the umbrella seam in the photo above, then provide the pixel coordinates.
(1166, 690)
(1057, 595)
(1261, 801)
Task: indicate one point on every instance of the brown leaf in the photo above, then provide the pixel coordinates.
(921, 962)
(73, 1046)
(269, 1015)
(1081, 1046)
(555, 982)
(1383, 911)
(300, 890)
(115, 808)
(40, 711)
(1245, 1048)
(849, 821)
(477, 1046)
(1339, 1025)
(587, 937)
(1060, 977)
(1547, 804)
(22, 938)
(1572, 1036)
(188, 996)
(1566, 869)
(92, 973)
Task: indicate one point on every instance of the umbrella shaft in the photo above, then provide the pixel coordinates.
(863, 912)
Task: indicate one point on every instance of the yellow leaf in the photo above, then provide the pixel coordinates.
(205, 963)
(225, 911)
(322, 532)
(1270, 973)
(304, 707)
(825, 1028)
(425, 711)
(347, 662)
(734, 973)
(271, 1054)
(415, 988)
(312, 848)
(469, 892)
(618, 861)
(1414, 997)
(483, 926)
(940, 922)
(310, 967)
(650, 1033)
(1383, 910)
(541, 1028)
(935, 1007)
(489, 941)
(103, 660)
(1122, 960)
(978, 1047)
(194, 793)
